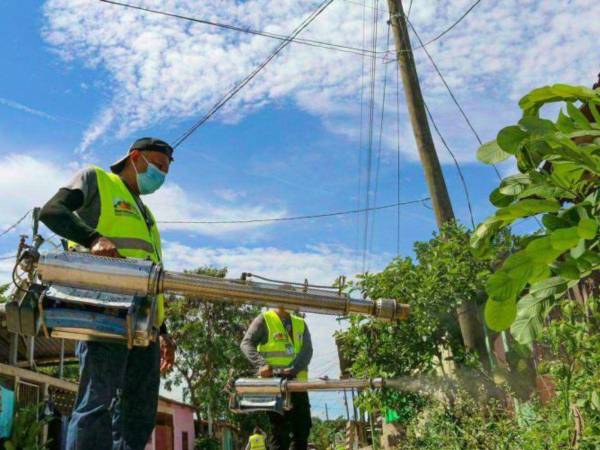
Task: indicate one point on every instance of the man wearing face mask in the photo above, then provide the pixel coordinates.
(101, 212)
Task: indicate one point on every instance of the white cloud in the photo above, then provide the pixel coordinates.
(27, 181)
(96, 129)
(20, 107)
(319, 264)
(173, 203)
(173, 69)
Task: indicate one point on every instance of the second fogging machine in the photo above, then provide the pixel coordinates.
(80, 296)
(250, 395)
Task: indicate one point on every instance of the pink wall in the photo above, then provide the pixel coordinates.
(183, 421)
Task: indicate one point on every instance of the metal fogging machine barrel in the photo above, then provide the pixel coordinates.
(144, 278)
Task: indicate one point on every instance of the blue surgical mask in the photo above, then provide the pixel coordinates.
(151, 179)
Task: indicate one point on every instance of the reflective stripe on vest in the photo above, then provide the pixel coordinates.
(123, 223)
(281, 350)
(257, 442)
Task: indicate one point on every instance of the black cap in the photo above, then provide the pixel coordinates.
(146, 144)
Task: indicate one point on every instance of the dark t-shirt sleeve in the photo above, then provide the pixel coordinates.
(255, 335)
(58, 214)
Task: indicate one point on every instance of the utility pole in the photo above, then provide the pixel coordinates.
(469, 319)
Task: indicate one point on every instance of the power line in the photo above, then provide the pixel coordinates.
(373, 73)
(422, 45)
(379, 146)
(309, 42)
(217, 106)
(458, 168)
(449, 89)
(410, 5)
(14, 225)
(360, 140)
(285, 219)
(459, 20)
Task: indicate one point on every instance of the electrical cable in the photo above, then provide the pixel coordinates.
(373, 73)
(458, 168)
(444, 32)
(286, 219)
(360, 140)
(385, 75)
(309, 42)
(410, 5)
(459, 20)
(239, 86)
(449, 89)
(14, 225)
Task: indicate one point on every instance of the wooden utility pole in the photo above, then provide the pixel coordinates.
(469, 319)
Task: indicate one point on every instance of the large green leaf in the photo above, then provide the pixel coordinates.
(491, 153)
(537, 126)
(501, 287)
(531, 312)
(564, 238)
(531, 103)
(510, 138)
(499, 315)
(564, 123)
(527, 207)
(482, 235)
(499, 199)
(580, 120)
(587, 228)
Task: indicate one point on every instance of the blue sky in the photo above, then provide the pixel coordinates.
(82, 79)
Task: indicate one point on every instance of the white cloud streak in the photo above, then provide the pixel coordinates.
(24, 108)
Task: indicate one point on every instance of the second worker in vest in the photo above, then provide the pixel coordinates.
(257, 440)
(101, 212)
(278, 340)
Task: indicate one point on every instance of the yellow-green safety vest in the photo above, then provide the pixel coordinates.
(123, 223)
(257, 442)
(281, 349)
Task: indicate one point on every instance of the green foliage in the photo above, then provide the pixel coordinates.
(325, 433)
(27, 430)
(443, 274)
(559, 164)
(4, 292)
(464, 424)
(573, 365)
(208, 336)
(571, 419)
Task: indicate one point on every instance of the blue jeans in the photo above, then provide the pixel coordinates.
(117, 399)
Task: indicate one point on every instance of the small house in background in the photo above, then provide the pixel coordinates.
(174, 427)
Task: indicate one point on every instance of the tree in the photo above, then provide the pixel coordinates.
(558, 180)
(207, 335)
(443, 273)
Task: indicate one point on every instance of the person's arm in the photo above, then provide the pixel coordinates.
(58, 213)
(255, 335)
(303, 358)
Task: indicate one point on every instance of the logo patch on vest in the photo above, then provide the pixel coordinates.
(124, 208)
(280, 337)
